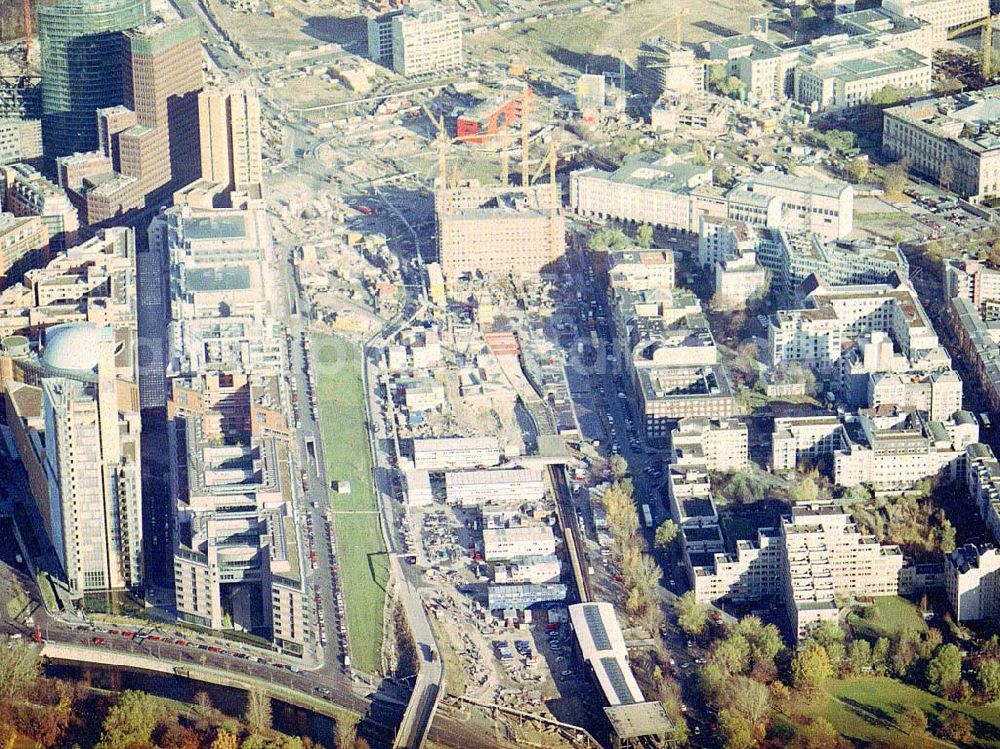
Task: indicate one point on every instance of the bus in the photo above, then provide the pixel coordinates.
(647, 516)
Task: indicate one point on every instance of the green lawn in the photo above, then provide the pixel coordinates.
(866, 709)
(360, 549)
(893, 614)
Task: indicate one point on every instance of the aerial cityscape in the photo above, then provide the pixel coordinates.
(607, 374)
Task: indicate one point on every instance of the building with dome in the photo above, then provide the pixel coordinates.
(68, 364)
(77, 432)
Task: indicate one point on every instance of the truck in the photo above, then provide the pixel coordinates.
(647, 516)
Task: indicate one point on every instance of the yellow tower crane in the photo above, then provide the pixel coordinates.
(986, 29)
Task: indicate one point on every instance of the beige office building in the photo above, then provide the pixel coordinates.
(27, 193)
(230, 132)
(956, 130)
(24, 244)
(426, 39)
(498, 231)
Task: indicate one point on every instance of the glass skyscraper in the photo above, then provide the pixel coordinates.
(81, 46)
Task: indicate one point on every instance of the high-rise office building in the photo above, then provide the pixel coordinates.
(148, 145)
(230, 140)
(92, 461)
(426, 39)
(80, 44)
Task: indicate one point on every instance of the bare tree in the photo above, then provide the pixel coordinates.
(258, 714)
(18, 668)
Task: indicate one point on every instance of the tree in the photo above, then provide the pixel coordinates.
(859, 655)
(608, 239)
(880, 656)
(945, 669)
(225, 740)
(947, 537)
(258, 714)
(810, 666)
(994, 254)
(692, 615)
(752, 701)
(130, 721)
(644, 236)
(805, 489)
(176, 736)
(858, 169)
(886, 96)
(203, 701)
(989, 680)
(699, 156)
(955, 726)
(18, 668)
(831, 637)
(855, 494)
(946, 175)
(820, 734)
(894, 179)
(732, 654)
(618, 466)
(912, 721)
(666, 533)
(737, 733)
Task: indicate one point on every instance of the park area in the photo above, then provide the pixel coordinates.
(869, 709)
(361, 554)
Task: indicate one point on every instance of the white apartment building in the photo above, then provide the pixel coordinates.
(764, 68)
(638, 269)
(531, 570)
(974, 280)
(455, 453)
(840, 73)
(825, 555)
(809, 437)
(893, 449)
(959, 130)
(738, 279)
(816, 335)
(646, 189)
(508, 486)
(91, 462)
(813, 556)
(426, 39)
(972, 582)
(938, 394)
(720, 239)
(942, 15)
(793, 257)
(823, 208)
(501, 544)
(717, 444)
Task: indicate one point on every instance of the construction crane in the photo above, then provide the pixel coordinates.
(441, 143)
(27, 31)
(986, 29)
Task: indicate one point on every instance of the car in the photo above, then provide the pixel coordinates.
(98, 640)
(129, 635)
(214, 649)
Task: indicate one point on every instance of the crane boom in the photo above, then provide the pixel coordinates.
(27, 30)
